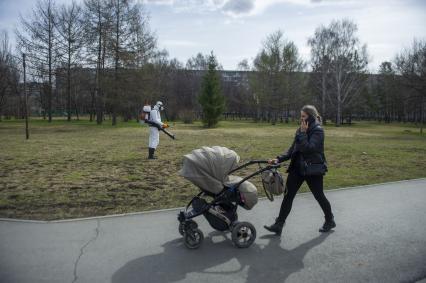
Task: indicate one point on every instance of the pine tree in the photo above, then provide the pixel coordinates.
(211, 99)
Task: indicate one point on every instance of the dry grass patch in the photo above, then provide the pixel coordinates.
(79, 169)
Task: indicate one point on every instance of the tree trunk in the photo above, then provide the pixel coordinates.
(114, 118)
(99, 109)
(50, 66)
(92, 105)
(76, 110)
(339, 102)
(75, 103)
(422, 110)
(117, 45)
(98, 92)
(323, 82)
(69, 82)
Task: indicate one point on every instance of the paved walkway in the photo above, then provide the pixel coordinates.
(380, 237)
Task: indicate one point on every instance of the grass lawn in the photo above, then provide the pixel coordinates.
(79, 169)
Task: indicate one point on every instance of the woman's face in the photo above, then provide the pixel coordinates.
(304, 116)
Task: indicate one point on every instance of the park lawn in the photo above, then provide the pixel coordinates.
(78, 169)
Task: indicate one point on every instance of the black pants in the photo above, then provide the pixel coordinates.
(315, 183)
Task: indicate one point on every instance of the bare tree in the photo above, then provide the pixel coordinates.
(118, 40)
(294, 84)
(411, 65)
(243, 65)
(144, 46)
(4, 69)
(320, 45)
(70, 28)
(348, 64)
(386, 91)
(195, 68)
(9, 72)
(198, 62)
(273, 68)
(126, 31)
(37, 37)
(98, 26)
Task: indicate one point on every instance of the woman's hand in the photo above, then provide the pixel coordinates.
(304, 126)
(273, 161)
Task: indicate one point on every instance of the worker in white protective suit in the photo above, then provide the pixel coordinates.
(154, 135)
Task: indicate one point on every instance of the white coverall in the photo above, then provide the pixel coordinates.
(154, 135)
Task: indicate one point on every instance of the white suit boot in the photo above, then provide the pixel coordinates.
(151, 152)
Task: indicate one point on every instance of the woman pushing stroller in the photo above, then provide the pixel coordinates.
(221, 193)
(307, 163)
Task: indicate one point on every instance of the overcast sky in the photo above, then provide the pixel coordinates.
(235, 29)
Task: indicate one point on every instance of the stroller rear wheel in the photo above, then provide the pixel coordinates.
(190, 224)
(243, 234)
(193, 238)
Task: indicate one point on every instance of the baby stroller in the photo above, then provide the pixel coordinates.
(209, 168)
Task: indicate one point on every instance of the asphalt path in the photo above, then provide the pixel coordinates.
(380, 237)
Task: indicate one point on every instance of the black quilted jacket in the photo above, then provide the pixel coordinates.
(307, 147)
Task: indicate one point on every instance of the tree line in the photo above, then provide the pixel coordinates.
(100, 58)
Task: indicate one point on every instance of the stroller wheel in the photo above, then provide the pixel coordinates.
(243, 234)
(232, 226)
(191, 224)
(181, 229)
(193, 238)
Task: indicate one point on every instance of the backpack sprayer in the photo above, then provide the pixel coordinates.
(145, 119)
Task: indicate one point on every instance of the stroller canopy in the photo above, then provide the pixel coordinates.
(208, 167)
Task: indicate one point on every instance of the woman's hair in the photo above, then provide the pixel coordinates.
(312, 111)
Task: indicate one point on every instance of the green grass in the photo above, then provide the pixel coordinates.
(79, 169)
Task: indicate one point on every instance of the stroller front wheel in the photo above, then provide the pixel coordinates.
(189, 224)
(193, 238)
(243, 234)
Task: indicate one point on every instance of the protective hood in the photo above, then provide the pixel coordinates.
(159, 106)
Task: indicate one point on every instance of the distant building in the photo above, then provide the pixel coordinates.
(233, 77)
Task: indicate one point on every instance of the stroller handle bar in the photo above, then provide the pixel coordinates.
(271, 166)
(250, 163)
